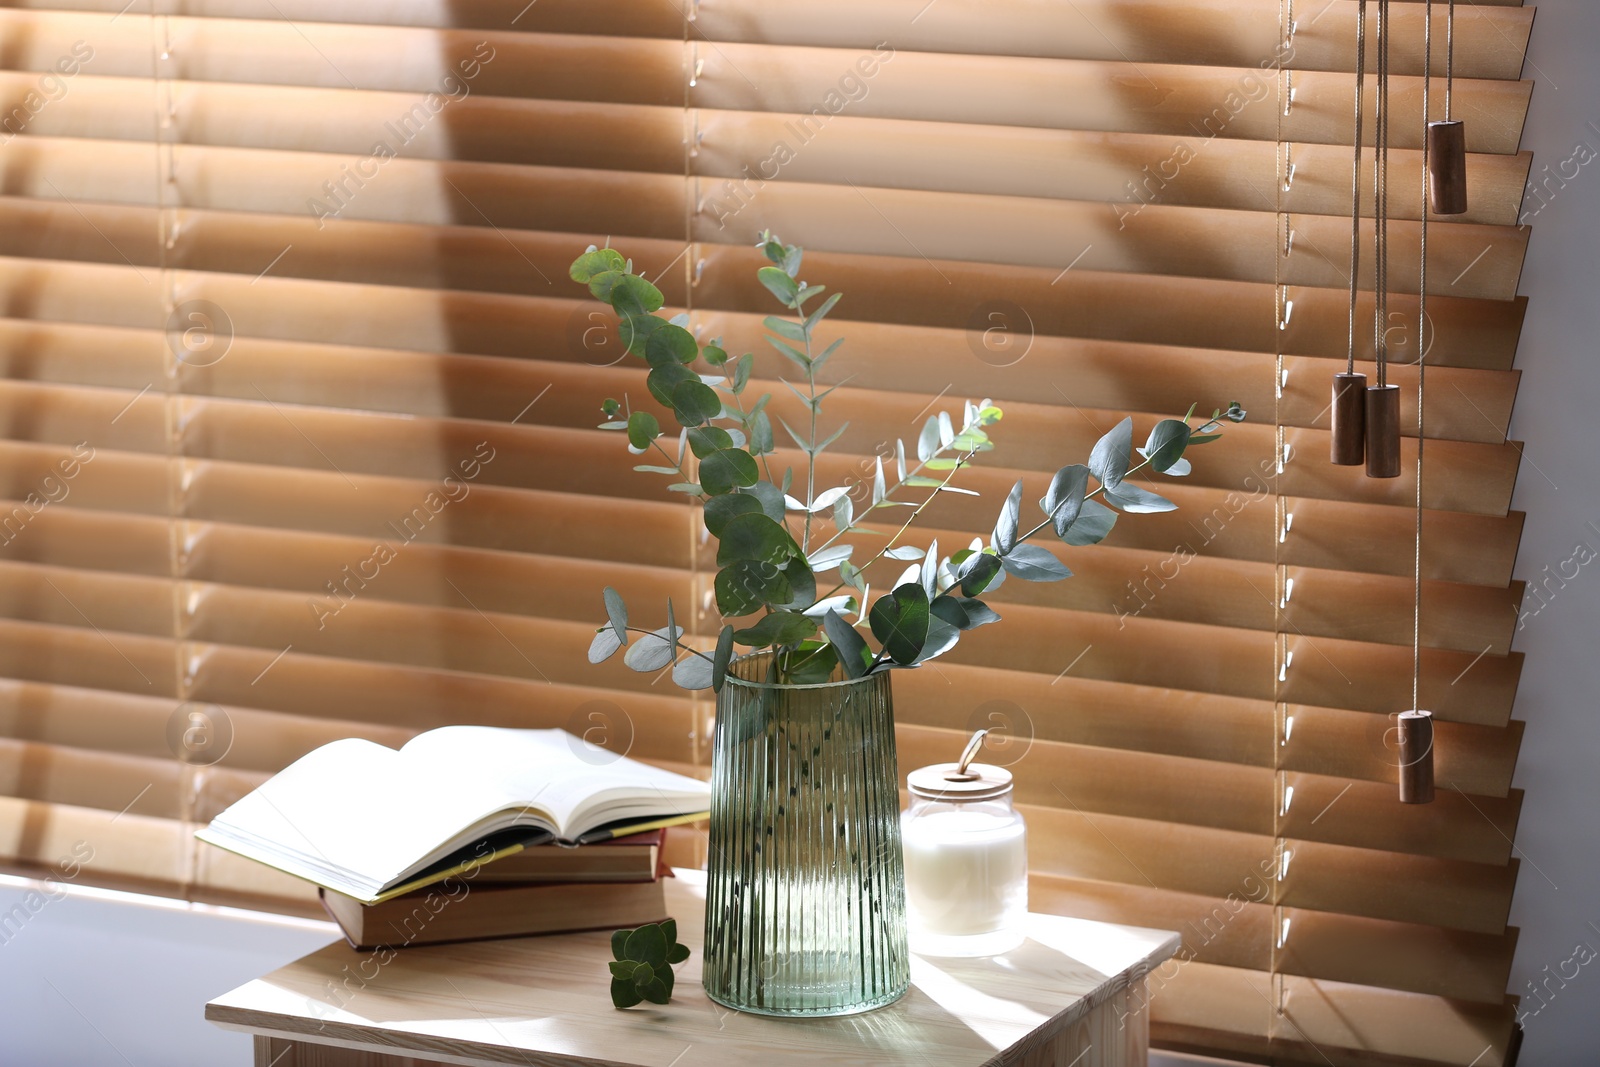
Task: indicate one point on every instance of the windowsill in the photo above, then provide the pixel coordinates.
(99, 977)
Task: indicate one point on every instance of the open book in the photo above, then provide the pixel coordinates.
(364, 820)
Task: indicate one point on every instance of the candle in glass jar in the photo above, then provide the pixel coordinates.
(966, 861)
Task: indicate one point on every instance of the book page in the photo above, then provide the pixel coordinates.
(579, 785)
(357, 806)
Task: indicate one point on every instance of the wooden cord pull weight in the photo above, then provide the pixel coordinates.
(1349, 442)
(1447, 140)
(1416, 757)
(1447, 167)
(1383, 431)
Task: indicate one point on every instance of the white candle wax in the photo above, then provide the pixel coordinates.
(966, 880)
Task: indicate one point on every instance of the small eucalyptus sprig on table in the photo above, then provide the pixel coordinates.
(642, 967)
(772, 545)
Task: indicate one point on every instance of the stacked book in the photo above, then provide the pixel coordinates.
(542, 889)
(468, 832)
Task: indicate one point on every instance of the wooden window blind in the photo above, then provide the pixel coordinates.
(298, 408)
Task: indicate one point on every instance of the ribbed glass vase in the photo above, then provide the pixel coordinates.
(805, 893)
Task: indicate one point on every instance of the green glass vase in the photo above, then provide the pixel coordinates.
(805, 890)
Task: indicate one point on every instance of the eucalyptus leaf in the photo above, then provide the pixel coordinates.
(778, 284)
(785, 328)
(979, 573)
(1091, 526)
(899, 620)
(604, 645)
(719, 672)
(616, 613)
(634, 295)
(652, 651)
(1108, 460)
(619, 941)
(799, 442)
(851, 647)
(761, 434)
(1137, 500)
(978, 613)
(624, 994)
(928, 439)
(741, 373)
(643, 429)
(727, 469)
(704, 440)
(813, 666)
(942, 637)
(1006, 525)
(755, 537)
(719, 509)
(1034, 564)
(664, 379)
(827, 498)
(951, 609)
(771, 498)
(822, 445)
(791, 353)
(635, 328)
(822, 311)
(802, 585)
(654, 990)
(595, 262)
(670, 344)
(843, 513)
(694, 402)
(777, 628)
(1064, 499)
(817, 363)
(692, 672)
(842, 603)
(903, 553)
(647, 944)
(930, 569)
(744, 587)
(828, 558)
(1166, 443)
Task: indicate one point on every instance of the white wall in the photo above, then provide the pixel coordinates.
(1557, 902)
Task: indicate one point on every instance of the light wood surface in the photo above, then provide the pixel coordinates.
(1073, 994)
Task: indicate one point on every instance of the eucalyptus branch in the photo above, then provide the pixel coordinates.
(918, 510)
(888, 494)
(763, 570)
(811, 454)
(675, 465)
(744, 421)
(1048, 519)
(766, 467)
(675, 641)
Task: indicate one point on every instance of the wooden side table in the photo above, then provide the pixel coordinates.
(1074, 995)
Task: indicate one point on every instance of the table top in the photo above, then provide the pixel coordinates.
(545, 1001)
